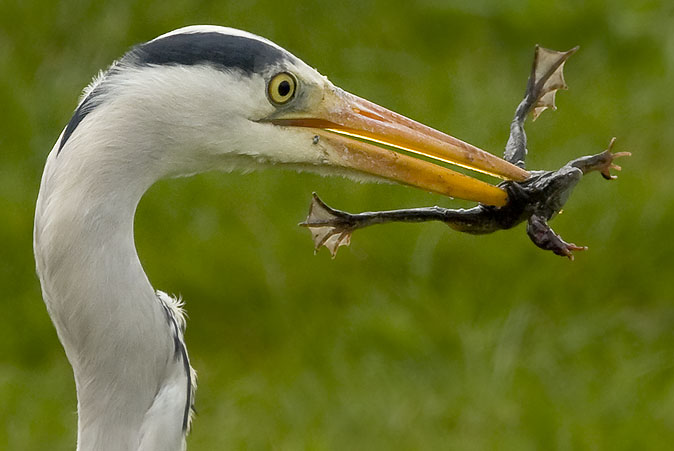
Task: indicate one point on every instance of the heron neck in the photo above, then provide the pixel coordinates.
(104, 308)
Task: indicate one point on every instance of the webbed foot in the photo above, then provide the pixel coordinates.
(544, 237)
(547, 77)
(329, 227)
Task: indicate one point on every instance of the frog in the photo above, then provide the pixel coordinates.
(535, 200)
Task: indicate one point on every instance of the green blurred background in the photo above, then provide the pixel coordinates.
(415, 337)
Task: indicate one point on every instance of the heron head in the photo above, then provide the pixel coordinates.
(219, 98)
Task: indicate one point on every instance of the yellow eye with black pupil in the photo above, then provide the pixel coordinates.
(281, 88)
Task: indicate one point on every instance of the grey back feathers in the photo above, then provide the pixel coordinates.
(218, 49)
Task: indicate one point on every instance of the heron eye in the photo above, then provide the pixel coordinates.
(281, 88)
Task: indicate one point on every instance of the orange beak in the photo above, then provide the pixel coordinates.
(356, 130)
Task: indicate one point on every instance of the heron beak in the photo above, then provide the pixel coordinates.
(357, 130)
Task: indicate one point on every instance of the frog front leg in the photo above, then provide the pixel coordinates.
(602, 162)
(553, 190)
(542, 235)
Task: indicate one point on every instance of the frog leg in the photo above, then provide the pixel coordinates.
(329, 227)
(546, 78)
(333, 228)
(544, 237)
(602, 162)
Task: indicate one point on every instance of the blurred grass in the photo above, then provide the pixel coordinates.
(415, 337)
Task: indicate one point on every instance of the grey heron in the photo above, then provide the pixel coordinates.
(197, 99)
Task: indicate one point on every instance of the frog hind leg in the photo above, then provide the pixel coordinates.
(329, 227)
(546, 78)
